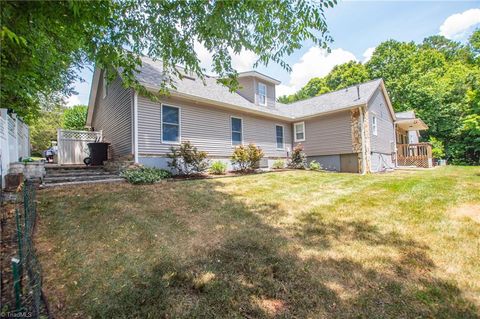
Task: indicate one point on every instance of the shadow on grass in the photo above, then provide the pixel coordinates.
(242, 266)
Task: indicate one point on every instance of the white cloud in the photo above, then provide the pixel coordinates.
(283, 89)
(367, 55)
(457, 25)
(73, 100)
(240, 62)
(244, 61)
(315, 62)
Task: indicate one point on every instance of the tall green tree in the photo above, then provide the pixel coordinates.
(44, 128)
(75, 118)
(42, 42)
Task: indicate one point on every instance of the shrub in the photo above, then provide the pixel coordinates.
(298, 159)
(438, 149)
(145, 175)
(218, 168)
(247, 157)
(278, 164)
(187, 159)
(315, 166)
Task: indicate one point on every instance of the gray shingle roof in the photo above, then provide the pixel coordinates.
(151, 75)
(332, 101)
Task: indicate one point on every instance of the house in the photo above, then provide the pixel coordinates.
(350, 130)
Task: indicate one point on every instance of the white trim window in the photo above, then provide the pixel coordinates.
(374, 125)
(104, 84)
(262, 94)
(279, 135)
(236, 125)
(170, 124)
(299, 131)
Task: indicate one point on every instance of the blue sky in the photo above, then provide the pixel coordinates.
(355, 26)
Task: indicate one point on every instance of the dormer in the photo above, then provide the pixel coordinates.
(258, 88)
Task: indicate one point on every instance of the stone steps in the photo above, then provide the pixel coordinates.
(84, 182)
(57, 176)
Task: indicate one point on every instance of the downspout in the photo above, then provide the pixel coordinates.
(395, 143)
(362, 135)
(135, 125)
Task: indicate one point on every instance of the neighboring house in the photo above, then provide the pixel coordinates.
(349, 130)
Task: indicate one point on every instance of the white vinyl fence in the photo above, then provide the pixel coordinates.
(72, 145)
(14, 141)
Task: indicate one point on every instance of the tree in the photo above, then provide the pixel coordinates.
(43, 41)
(341, 76)
(345, 75)
(44, 129)
(75, 118)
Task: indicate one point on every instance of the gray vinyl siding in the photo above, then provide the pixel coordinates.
(113, 115)
(247, 88)
(382, 142)
(208, 128)
(328, 135)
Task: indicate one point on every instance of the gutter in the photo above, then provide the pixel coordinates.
(362, 134)
(135, 126)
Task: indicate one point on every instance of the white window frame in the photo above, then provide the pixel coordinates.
(179, 124)
(104, 84)
(231, 130)
(259, 84)
(295, 132)
(283, 137)
(374, 125)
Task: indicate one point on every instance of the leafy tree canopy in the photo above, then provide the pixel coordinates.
(43, 42)
(438, 78)
(75, 118)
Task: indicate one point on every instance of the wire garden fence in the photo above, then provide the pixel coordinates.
(27, 296)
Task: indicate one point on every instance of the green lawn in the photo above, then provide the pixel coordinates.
(287, 244)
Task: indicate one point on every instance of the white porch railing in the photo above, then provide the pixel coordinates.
(72, 145)
(14, 141)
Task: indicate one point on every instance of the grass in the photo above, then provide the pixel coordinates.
(286, 244)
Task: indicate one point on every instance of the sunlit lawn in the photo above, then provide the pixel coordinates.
(287, 244)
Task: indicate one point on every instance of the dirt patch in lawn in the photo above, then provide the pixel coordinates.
(471, 211)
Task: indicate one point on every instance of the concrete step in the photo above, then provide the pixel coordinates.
(73, 178)
(78, 169)
(76, 173)
(85, 182)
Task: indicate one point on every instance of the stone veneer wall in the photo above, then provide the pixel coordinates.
(357, 137)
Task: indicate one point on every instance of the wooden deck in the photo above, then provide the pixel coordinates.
(419, 155)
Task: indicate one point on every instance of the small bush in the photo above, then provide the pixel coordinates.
(315, 166)
(298, 159)
(438, 148)
(145, 175)
(278, 164)
(247, 158)
(187, 159)
(218, 168)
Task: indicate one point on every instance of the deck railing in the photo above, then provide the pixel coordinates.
(419, 154)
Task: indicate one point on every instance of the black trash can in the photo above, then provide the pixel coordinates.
(98, 152)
